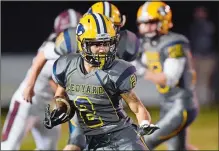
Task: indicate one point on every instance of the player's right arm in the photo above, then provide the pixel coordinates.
(53, 85)
(64, 110)
(60, 91)
(78, 137)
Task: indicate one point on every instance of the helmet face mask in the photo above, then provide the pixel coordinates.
(97, 40)
(99, 59)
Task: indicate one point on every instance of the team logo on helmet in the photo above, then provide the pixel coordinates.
(80, 29)
(164, 10)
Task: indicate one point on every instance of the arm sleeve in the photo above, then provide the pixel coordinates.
(48, 48)
(59, 71)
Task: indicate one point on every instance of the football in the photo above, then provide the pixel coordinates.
(65, 105)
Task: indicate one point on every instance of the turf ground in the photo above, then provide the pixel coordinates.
(203, 132)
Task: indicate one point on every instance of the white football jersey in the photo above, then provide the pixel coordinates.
(48, 47)
(42, 89)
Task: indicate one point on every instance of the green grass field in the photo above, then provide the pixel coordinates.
(203, 132)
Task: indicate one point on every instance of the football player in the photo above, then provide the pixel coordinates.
(168, 62)
(68, 19)
(127, 47)
(23, 116)
(95, 83)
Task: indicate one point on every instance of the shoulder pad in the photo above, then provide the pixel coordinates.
(176, 46)
(128, 45)
(66, 42)
(47, 46)
(180, 37)
(122, 71)
(60, 67)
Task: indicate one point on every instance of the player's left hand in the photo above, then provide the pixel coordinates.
(147, 129)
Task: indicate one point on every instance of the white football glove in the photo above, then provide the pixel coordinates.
(146, 128)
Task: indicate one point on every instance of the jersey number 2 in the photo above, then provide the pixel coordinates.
(87, 112)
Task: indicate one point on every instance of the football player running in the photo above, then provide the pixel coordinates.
(68, 19)
(167, 58)
(127, 50)
(23, 116)
(95, 83)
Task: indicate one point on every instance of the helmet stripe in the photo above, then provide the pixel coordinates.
(100, 23)
(107, 9)
(145, 7)
(104, 24)
(72, 17)
(67, 41)
(97, 23)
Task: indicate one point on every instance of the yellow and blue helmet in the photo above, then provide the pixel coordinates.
(94, 28)
(156, 11)
(110, 11)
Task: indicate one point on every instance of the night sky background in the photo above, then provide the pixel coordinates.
(26, 24)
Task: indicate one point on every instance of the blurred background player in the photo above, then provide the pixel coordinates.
(23, 116)
(95, 87)
(68, 19)
(167, 57)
